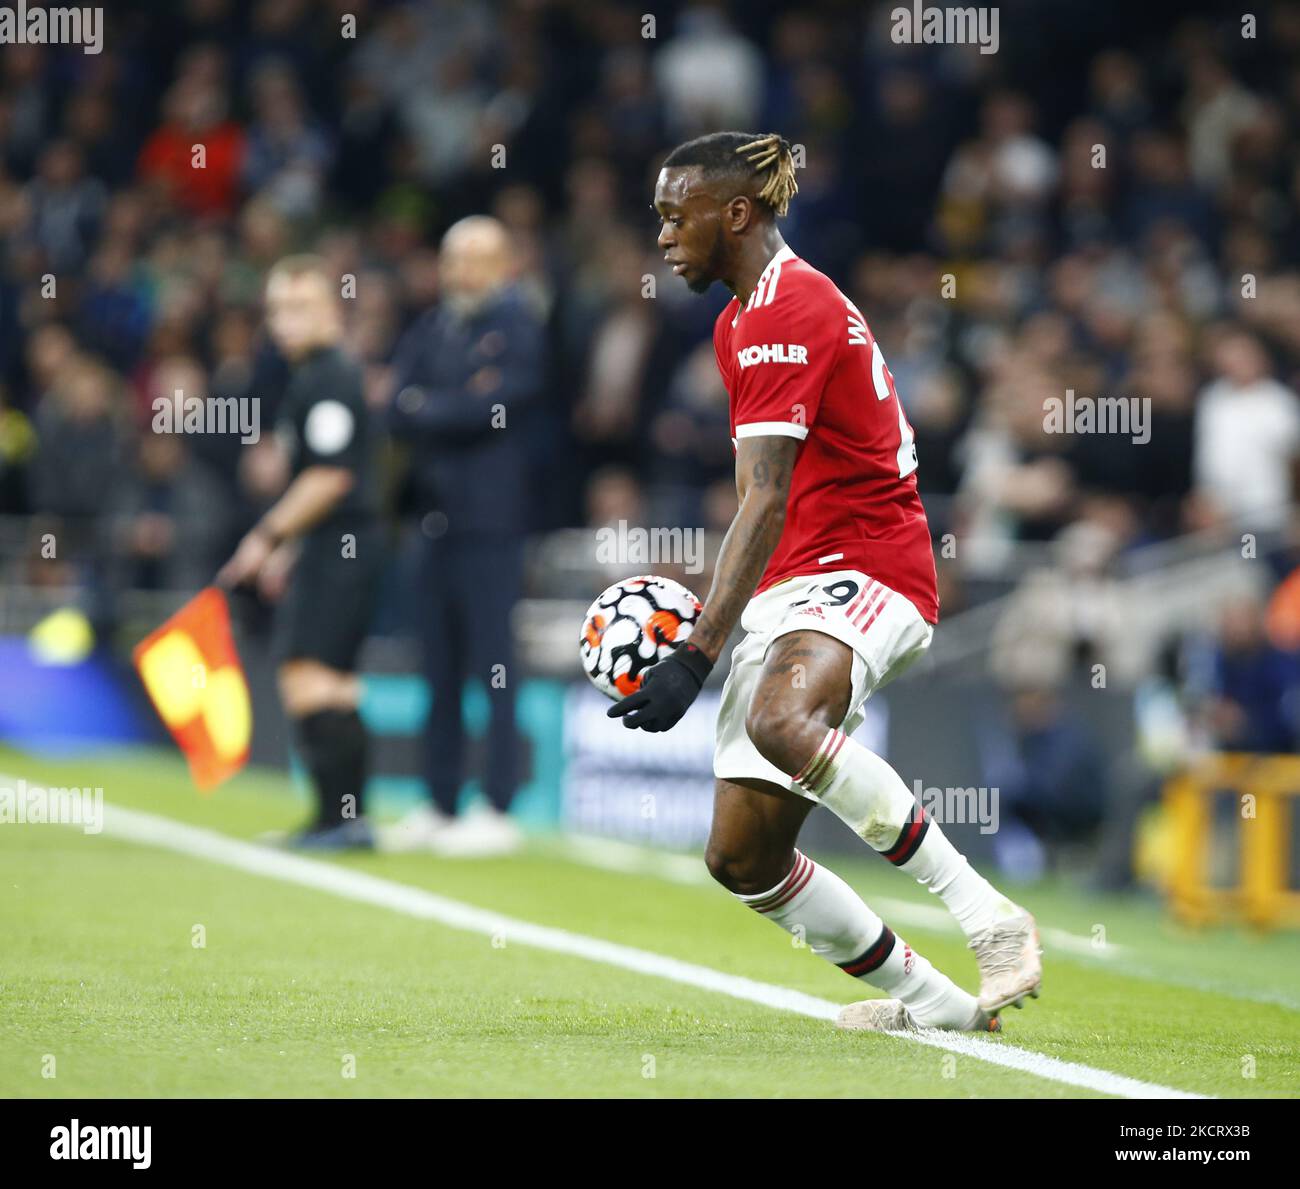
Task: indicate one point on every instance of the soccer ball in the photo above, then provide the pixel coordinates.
(634, 624)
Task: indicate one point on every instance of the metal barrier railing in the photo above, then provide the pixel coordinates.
(1266, 789)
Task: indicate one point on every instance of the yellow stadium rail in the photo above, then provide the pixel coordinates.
(1266, 789)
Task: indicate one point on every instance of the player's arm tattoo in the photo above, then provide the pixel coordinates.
(763, 468)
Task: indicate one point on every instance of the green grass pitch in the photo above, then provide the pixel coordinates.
(298, 992)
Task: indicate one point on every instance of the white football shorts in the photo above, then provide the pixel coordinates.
(885, 631)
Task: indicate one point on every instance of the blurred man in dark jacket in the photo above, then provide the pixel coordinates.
(465, 376)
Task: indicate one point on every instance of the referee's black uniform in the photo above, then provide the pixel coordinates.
(327, 608)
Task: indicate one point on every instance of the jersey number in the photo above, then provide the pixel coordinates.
(884, 384)
(839, 593)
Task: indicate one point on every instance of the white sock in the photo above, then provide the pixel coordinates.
(868, 795)
(941, 867)
(830, 916)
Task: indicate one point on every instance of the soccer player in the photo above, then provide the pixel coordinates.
(317, 549)
(828, 568)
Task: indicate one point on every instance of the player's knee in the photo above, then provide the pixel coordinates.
(719, 861)
(308, 686)
(744, 872)
(784, 736)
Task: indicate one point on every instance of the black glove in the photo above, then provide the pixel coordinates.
(667, 692)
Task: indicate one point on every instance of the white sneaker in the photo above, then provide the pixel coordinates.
(1010, 962)
(479, 833)
(415, 831)
(891, 1015)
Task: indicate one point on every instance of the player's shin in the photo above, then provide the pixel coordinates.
(334, 747)
(814, 904)
(871, 798)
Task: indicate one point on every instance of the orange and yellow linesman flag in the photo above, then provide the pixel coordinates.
(192, 672)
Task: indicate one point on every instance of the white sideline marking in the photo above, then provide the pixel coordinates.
(151, 830)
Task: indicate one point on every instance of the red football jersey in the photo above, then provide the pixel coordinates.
(798, 359)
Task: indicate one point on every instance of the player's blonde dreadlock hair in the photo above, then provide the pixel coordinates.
(771, 155)
(765, 161)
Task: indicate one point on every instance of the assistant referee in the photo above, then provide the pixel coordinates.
(318, 548)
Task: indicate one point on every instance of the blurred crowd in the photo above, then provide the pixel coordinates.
(1109, 206)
